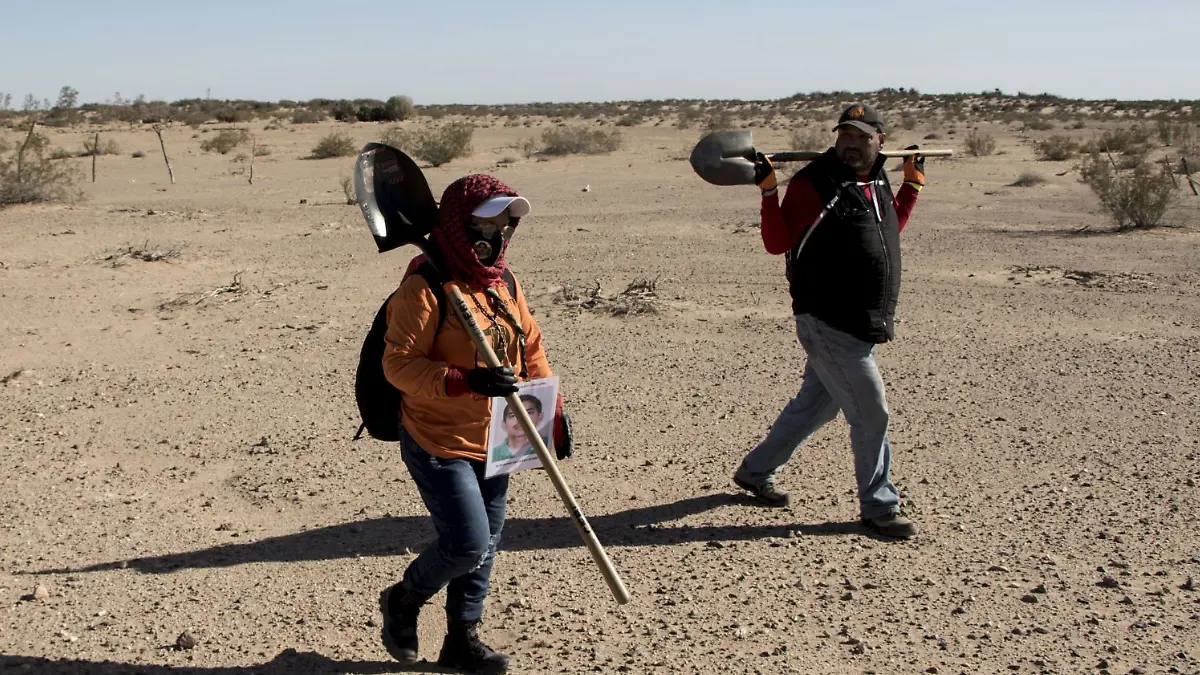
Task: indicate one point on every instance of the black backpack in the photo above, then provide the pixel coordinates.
(378, 401)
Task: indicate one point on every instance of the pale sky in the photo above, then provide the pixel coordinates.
(534, 50)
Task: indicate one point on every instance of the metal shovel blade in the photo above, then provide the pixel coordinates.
(394, 198)
(725, 158)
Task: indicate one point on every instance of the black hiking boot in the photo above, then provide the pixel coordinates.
(765, 492)
(400, 608)
(464, 651)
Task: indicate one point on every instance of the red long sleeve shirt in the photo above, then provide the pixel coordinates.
(783, 226)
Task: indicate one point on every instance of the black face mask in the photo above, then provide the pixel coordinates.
(486, 248)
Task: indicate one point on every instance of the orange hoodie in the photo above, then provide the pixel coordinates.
(428, 368)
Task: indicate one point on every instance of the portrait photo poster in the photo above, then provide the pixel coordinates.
(508, 448)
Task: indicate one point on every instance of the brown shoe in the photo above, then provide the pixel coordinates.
(765, 492)
(891, 525)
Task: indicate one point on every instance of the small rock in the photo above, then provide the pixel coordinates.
(1189, 585)
(1108, 582)
(933, 669)
(998, 568)
(1041, 589)
(186, 641)
(587, 188)
(847, 596)
(1030, 598)
(41, 592)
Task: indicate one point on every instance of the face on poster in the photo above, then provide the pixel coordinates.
(509, 448)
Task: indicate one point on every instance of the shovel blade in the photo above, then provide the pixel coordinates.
(394, 197)
(725, 158)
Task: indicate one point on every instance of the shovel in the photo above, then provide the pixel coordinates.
(727, 157)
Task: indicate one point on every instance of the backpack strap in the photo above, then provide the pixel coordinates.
(434, 281)
(511, 282)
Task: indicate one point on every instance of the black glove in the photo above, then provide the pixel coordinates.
(492, 382)
(764, 173)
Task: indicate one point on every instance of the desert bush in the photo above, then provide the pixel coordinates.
(349, 189)
(107, 147)
(1136, 199)
(630, 120)
(528, 147)
(437, 145)
(61, 153)
(1125, 140)
(231, 115)
(308, 116)
(1056, 148)
(336, 144)
(979, 145)
(1028, 179)
(719, 120)
(1038, 124)
(815, 139)
(398, 109)
(1176, 134)
(578, 140)
(28, 175)
(225, 141)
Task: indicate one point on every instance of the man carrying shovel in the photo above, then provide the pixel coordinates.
(839, 227)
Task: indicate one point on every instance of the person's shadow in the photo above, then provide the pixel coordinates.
(288, 662)
(391, 535)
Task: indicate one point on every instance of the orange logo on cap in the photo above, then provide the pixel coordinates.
(856, 112)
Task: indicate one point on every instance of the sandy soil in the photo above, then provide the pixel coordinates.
(176, 433)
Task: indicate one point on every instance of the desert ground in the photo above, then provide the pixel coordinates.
(177, 408)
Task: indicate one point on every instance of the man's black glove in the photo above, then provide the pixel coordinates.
(764, 174)
(492, 382)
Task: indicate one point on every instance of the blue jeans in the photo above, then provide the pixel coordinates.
(468, 514)
(840, 374)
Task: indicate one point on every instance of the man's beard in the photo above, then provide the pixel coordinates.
(855, 159)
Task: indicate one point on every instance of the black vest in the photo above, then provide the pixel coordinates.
(846, 269)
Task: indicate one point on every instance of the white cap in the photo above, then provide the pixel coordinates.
(518, 207)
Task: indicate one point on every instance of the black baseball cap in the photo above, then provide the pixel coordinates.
(861, 116)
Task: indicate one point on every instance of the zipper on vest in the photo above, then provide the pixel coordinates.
(887, 258)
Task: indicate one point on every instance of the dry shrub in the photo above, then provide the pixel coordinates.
(1056, 148)
(979, 145)
(29, 175)
(814, 139)
(578, 140)
(349, 189)
(336, 144)
(308, 116)
(437, 146)
(144, 253)
(1137, 198)
(1126, 140)
(225, 141)
(1028, 179)
(639, 297)
(106, 147)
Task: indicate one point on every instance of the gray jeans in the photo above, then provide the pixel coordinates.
(840, 374)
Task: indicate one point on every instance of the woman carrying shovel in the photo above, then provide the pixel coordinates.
(445, 414)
